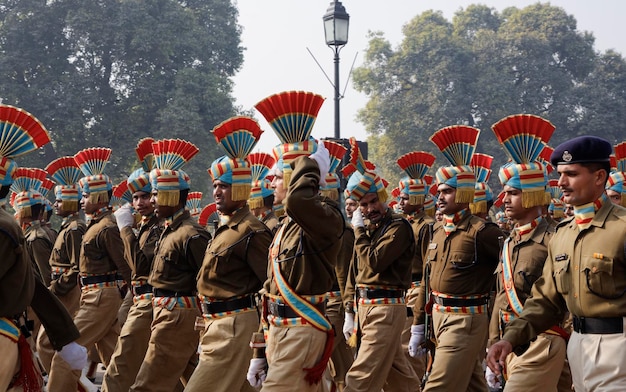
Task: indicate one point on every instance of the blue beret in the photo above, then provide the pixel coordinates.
(582, 149)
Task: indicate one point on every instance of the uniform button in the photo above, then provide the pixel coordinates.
(594, 269)
(575, 295)
(576, 268)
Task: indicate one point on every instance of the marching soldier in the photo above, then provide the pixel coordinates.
(583, 274)
(101, 265)
(523, 257)
(139, 250)
(261, 199)
(342, 356)
(234, 266)
(380, 275)
(413, 191)
(66, 250)
(483, 196)
(461, 259)
(615, 188)
(177, 259)
(304, 249)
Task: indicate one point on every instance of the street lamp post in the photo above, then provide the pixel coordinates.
(336, 23)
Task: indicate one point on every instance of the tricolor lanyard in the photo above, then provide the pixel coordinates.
(302, 307)
(507, 280)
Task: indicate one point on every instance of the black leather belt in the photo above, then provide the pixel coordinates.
(285, 311)
(85, 280)
(459, 302)
(416, 277)
(230, 305)
(143, 289)
(594, 325)
(380, 293)
(170, 293)
(55, 276)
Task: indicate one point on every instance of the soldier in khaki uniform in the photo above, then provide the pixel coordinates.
(343, 355)
(615, 188)
(234, 267)
(461, 259)
(583, 274)
(523, 257)
(261, 198)
(302, 255)
(101, 265)
(66, 249)
(177, 259)
(28, 206)
(132, 343)
(413, 190)
(379, 276)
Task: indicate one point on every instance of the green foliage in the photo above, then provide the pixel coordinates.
(479, 68)
(110, 72)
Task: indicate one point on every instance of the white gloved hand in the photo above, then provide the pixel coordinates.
(417, 338)
(257, 371)
(124, 217)
(492, 379)
(348, 325)
(75, 355)
(357, 219)
(322, 157)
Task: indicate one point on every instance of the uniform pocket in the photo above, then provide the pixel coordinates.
(599, 275)
(561, 275)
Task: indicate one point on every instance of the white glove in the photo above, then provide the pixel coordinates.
(124, 217)
(492, 379)
(75, 355)
(417, 338)
(322, 157)
(257, 372)
(357, 218)
(348, 325)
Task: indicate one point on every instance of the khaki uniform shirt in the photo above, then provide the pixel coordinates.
(66, 252)
(17, 279)
(383, 255)
(420, 222)
(139, 249)
(342, 266)
(102, 249)
(312, 234)
(39, 248)
(271, 221)
(585, 273)
(461, 263)
(178, 255)
(235, 263)
(528, 255)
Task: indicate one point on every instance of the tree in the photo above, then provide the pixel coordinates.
(479, 68)
(109, 72)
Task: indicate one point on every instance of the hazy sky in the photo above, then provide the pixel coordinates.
(277, 33)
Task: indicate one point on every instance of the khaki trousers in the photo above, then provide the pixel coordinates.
(380, 360)
(598, 362)
(290, 350)
(225, 354)
(71, 301)
(461, 342)
(173, 341)
(418, 363)
(539, 368)
(127, 302)
(96, 321)
(130, 349)
(343, 355)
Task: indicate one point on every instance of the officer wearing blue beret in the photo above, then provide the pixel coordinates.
(584, 273)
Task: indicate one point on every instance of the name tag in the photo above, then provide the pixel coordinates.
(432, 245)
(561, 257)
